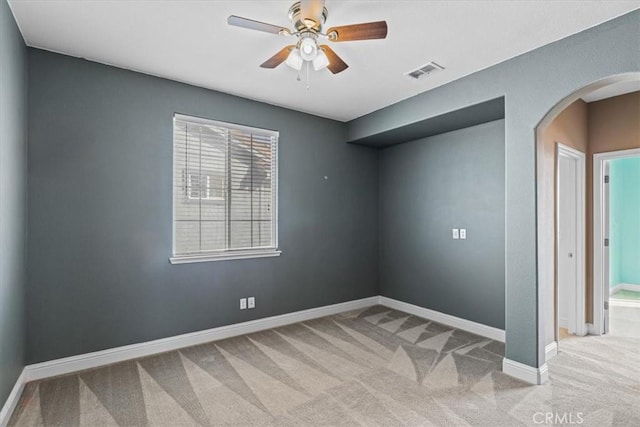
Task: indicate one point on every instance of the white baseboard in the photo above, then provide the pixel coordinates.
(114, 355)
(624, 287)
(592, 330)
(106, 357)
(631, 287)
(550, 350)
(12, 400)
(615, 289)
(621, 302)
(524, 372)
(446, 319)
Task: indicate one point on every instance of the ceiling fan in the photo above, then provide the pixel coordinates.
(307, 18)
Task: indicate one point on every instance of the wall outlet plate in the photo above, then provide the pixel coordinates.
(243, 303)
(463, 233)
(251, 302)
(455, 234)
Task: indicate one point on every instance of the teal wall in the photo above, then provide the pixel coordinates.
(625, 221)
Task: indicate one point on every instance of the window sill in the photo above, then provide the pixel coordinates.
(224, 257)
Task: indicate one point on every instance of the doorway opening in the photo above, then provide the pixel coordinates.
(572, 139)
(617, 242)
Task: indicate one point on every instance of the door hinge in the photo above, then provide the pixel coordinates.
(606, 242)
(606, 179)
(606, 305)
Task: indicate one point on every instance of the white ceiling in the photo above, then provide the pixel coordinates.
(189, 41)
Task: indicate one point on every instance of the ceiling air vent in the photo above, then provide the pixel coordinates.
(425, 70)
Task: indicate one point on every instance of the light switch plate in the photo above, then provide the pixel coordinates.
(251, 302)
(455, 234)
(243, 303)
(463, 233)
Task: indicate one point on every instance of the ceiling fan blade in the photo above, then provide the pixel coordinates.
(250, 24)
(366, 31)
(311, 9)
(336, 64)
(278, 58)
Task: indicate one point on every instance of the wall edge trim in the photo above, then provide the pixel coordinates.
(13, 399)
(551, 350)
(446, 319)
(631, 287)
(526, 373)
(96, 359)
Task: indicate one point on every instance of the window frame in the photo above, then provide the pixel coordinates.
(226, 254)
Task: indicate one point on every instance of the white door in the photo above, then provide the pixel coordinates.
(567, 242)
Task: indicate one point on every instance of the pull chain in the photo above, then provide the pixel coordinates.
(307, 74)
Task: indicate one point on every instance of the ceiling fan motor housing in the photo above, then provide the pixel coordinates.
(301, 23)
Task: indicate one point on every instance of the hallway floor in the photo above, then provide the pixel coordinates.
(624, 315)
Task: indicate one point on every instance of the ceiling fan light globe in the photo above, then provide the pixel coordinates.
(321, 61)
(308, 49)
(294, 60)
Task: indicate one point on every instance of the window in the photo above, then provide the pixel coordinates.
(224, 191)
(211, 188)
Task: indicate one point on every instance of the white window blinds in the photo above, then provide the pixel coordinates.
(224, 188)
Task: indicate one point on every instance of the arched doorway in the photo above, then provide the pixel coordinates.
(563, 133)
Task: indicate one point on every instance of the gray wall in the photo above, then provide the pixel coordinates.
(426, 188)
(532, 84)
(100, 159)
(13, 169)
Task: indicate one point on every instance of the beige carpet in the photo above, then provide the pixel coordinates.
(371, 367)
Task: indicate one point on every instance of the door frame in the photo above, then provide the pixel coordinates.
(580, 159)
(599, 280)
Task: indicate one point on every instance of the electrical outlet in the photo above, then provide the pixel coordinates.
(251, 302)
(455, 233)
(463, 233)
(243, 303)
